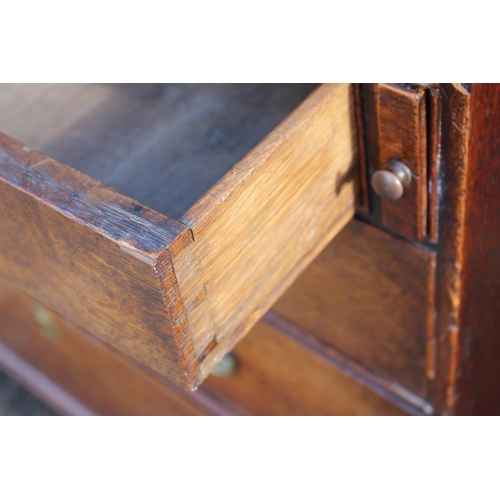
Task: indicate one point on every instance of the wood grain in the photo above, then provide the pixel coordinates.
(85, 250)
(364, 205)
(88, 370)
(163, 145)
(397, 129)
(387, 389)
(456, 103)
(278, 376)
(434, 161)
(476, 388)
(268, 218)
(176, 296)
(78, 374)
(369, 295)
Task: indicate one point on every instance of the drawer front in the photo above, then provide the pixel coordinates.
(277, 376)
(103, 380)
(397, 129)
(403, 124)
(371, 297)
(176, 295)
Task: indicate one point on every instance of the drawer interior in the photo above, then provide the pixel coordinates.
(163, 145)
(175, 295)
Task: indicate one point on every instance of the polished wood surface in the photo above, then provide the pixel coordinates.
(455, 134)
(19, 376)
(477, 388)
(91, 372)
(434, 160)
(176, 296)
(371, 297)
(385, 387)
(79, 374)
(397, 126)
(277, 376)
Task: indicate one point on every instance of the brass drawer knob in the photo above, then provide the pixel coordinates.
(389, 183)
(226, 367)
(45, 321)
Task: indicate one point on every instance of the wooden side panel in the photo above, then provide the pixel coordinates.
(269, 217)
(278, 376)
(95, 256)
(453, 188)
(434, 161)
(477, 390)
(370, 296)
(398, 131)
(92, 372)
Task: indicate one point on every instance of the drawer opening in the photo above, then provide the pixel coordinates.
(163, 145)
(249, 183)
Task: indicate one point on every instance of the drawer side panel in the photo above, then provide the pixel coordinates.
(94, 256)
(271, 215)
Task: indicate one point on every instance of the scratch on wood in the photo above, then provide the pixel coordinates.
(126, 247)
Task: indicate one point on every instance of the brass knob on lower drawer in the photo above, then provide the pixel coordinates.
(226, 367)
(45, 321)
(389, 183)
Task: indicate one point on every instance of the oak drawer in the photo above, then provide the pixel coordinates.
(370, 295)
(177, 262)
(278, 376)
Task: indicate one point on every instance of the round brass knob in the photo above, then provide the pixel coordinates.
(226, 367)
(389, 183)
